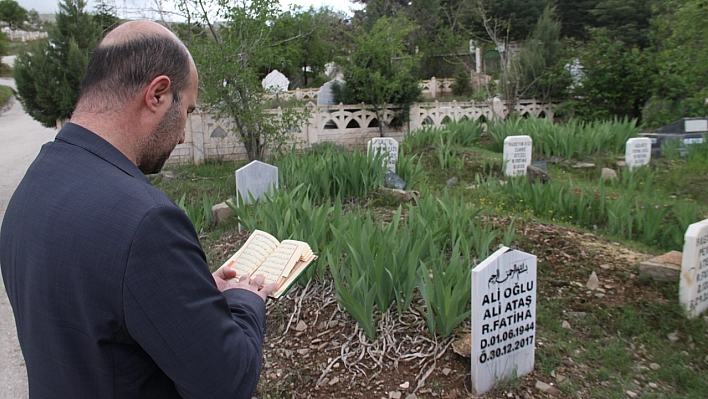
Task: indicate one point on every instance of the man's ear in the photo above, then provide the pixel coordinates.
(158, 93)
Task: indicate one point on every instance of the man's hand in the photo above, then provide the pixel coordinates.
(226, 279)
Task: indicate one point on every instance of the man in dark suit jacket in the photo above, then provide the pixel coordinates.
(109, 285)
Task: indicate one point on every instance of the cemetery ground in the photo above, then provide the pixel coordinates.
(624, 337)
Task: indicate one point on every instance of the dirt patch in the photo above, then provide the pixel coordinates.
(314, 349)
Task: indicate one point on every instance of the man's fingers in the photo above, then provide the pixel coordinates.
(258, 280)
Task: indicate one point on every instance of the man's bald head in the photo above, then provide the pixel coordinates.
(127, 60)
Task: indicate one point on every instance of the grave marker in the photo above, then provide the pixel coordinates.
(385, 145)
(326, 95)
(503, 318)
(256, 178)
(275, 81)
(517, 155)
(637, 152)
(693, 288)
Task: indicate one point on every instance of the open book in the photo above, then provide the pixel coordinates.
(281, 262)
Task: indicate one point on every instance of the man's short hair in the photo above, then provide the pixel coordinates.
(117, 71)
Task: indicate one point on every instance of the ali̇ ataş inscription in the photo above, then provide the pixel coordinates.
(386, 145)
(503, 318)
(637, 152)
(693, 288)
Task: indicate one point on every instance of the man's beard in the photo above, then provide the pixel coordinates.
(157, 147)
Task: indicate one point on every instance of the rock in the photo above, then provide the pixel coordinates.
(221, 212)
(324, 381)
(535, 174)
(621, 164)
(547, 389)
(301, 326)
(631, 394)
(333, 381)
(394, 395)
(608, 174)
(303, 352)
(593, 282)
(400, 195)
(653, 385)
(333, 323)
(654, 366)
(580, 315)
(565, 325)
(392, 180)
(446, 371)
(405, 385)
(453, 181)
(673, 337)
(666, 267)
(605, 267)
(411, 396)
(167, 174)
(583, 165)
(543, 165)
(463, 345)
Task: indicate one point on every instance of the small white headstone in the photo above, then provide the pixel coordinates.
(275, 81)
(256, 179)
(517, 155)
(503, 318)
(695, 126)
(693, 288)
(385, 145)
(637, 152)
(326, 96)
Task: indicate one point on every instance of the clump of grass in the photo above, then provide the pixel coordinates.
(5, 94)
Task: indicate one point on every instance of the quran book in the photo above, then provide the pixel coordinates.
(281, 262)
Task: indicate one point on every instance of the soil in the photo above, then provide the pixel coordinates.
(314, 349)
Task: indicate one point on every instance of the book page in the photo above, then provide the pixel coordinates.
(305, 252)
(252, 254)
(282, 259)
(297, 270)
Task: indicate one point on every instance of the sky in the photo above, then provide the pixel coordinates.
(50, 6)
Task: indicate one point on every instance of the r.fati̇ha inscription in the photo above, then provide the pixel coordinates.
(637, 152)
(503, 318)
(693, 288)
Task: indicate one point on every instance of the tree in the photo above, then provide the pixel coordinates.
(378, 72)
(617, 80)
(12, 13)
(230, 58)
(680, 87)
(105, 15)
(625, 20)
(49, 75)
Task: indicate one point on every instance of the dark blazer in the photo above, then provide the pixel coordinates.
(110, 287)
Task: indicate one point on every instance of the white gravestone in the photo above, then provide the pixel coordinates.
(637, 152)
(326, 96)
(693, 288)
(256, 179)
(517, 155)
(385, 145)
(275, 81)
(503, 318)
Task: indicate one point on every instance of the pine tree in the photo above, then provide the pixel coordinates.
(49, 75)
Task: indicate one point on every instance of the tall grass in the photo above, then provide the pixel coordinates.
(572, 140)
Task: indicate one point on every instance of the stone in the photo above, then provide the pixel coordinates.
(517, 155)
(256, 179)
(388, 146)
(580, 315)
(303, 352)
(605, 267)
(411, 396)
(221, 212)
(583, 165)
(503, 299)
(392, 180)
(608, 174)
(693, 284)
(673, 337)
(593, 282)
(631, 394)
(653, 385)
(405, 385)
(402, 196)
(167, 174)
(394, 395)
(275, 82)
(535, 174)
(565, 325)
(546, 388)
(654, 366)
(637, 152)
(543, 165)
(452, 181)
(666, 267)
(463, 345)
(333, 381)
(301, 326)
(446, 371)
(325, 96)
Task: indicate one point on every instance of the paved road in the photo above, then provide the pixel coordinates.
(21, 138)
